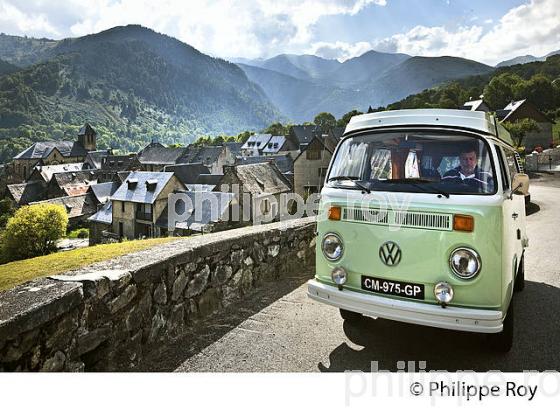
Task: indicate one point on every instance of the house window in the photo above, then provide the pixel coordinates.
(265, 206)
(322, 172)
(122, 207)
(313, 155)
(121, 229)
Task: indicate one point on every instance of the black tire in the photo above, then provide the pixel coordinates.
(351, 317)
(520, 277)
(502, 342)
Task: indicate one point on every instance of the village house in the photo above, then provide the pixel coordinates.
(518, 110)
(94, 159)
(155, 156)
(79, 208)
(278, 144)
(206, 212)
(135, 207)
(188, 173)
(26, 192)
(234, 148)
(262, 182)
(310, 167)
(52, 153)
(71, 183)
(212, 157)
(113, 164)
(283, 162)
(45, 172)
(301, 135)
(255, 144)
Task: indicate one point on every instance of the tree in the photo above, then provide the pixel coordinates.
(34, 230)
(520, 128)
(325, 120)
(275, 129)
(343, 122)
(6, 211)
(502, 89)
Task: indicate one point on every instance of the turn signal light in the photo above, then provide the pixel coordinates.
(335, 213)
(463, 223)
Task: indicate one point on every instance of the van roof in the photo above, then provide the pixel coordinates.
(473, 120)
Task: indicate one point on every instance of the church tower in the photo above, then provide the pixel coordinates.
(87, 137)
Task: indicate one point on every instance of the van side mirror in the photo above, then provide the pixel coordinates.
(520, 185)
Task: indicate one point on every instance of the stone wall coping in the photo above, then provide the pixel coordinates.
(137, 261)
(30, 305)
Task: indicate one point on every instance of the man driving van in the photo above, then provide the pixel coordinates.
(469, 173)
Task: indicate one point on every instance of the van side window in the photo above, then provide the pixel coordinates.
(512, 163)
(503, 170)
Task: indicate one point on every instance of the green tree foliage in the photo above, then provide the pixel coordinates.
(343, 122)
(33, 231)
(502, 89)
(325, 120)
(6, 211)
(520, 128)
(275, 129)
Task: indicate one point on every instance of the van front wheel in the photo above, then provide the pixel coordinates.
(350, 316)
(503, 341)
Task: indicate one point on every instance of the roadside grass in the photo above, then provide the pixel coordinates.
(18, 272)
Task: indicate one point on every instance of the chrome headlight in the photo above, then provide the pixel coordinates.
(465, 263)
(332, 247)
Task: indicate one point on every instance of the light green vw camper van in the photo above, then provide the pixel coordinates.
(422, 220)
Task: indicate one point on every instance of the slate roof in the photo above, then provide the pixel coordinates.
(263, 178)
(120, 162)
(135, 187)
(305, 133)
(102, 192)
(104, 215)
(234, 147)
(47, 171)
(75, 183)
(472, 105)
(86, 128)
(257, 141)
(95, 158)
(76, 206)
(283, 162)
(207, 155)
(42, 150)
(274, 145)
(187, 173)
(27, 192)
(200, 187)
(155, 153)
(204, 216)
(209, 179)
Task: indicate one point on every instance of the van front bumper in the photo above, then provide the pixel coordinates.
(454, 318)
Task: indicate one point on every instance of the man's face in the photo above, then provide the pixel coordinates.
(468, 162)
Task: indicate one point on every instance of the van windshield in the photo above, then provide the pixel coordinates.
(425, 161)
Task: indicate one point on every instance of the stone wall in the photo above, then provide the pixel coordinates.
(107, 316)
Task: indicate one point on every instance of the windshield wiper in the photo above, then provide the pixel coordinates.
(353, 179)
(418, 184)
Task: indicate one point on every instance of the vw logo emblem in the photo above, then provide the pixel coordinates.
(390, 253)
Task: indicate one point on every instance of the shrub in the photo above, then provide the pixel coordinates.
(79, 233)
(34, 230)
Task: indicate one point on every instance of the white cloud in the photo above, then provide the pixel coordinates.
(533, 28)
(224, 28)
(340, 50)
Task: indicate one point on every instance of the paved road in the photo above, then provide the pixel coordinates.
(280, 329)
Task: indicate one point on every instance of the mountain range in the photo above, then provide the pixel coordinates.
(302, 86)
(136, 85)
(525, 59)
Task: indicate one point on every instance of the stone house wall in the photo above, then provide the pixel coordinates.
(108, 316)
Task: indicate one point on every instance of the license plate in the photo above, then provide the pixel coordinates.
(391, 287)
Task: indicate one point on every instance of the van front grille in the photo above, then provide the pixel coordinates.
(408, 219)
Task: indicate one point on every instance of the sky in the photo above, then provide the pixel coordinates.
(483, 30)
